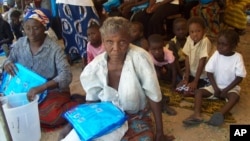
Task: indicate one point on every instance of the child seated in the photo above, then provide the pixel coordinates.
(164, 63)
(177, 43)
(137, 35)
(197, 49)
(225, 70)
(16, 23)
(6, 36)
(94, 46)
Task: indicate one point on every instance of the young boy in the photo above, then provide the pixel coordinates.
(225, 70)
(196, 49)
(164, 62)
(6, 36)
(137, 35)
(177, 43)
(94, 46)
(16, 23)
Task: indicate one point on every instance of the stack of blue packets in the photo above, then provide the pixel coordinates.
(22, 82)
(94, 120)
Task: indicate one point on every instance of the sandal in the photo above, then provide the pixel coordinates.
(217, 119)
(191, 121)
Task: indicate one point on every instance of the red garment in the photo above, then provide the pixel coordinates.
(52, 108)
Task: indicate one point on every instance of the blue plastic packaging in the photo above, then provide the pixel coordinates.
(205, 1)
(22, 82)
(96, 119)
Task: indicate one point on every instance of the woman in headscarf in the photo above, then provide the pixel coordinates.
(39, 53)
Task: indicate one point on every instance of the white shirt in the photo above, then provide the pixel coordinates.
(77, 2)
(172, 2)
(196, 52)
(138, 79)
(226, 68)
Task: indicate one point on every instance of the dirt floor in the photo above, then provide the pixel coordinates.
(173, 124)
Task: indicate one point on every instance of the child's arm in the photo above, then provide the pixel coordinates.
(174, 74)
(193, 85)
(185, 78)
(236, 81)
(217, 91)
(187, 70)
(173, 48)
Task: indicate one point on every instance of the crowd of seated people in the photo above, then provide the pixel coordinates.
(179, 60)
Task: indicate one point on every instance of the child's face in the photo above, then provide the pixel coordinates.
(94, 36)
(135, 32)
(224, 47)
(196, 32)
(15, 20)
(180, 30)
(156, 49)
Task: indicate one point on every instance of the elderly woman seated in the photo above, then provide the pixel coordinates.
(125, 76)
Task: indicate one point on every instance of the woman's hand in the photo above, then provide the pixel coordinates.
(149, 10)
(10, 68)
(34, 91)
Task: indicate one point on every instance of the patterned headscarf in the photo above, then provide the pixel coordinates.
(42, 15)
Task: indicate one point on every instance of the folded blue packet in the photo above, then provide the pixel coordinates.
(95, 120)
(22, 82)
(139, 7)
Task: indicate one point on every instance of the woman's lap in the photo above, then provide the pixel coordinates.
(52, 108)
(139, 129)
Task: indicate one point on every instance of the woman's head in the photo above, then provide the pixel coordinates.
(114, 25)
(156, 44)
(180, 28)
(136, 31)
(116, 37)
(36, 22)
(41, 15)
(227, 42)
(94, 35)
(196, 28)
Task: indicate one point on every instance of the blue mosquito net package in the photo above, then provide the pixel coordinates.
(96, 119)
(21, 82)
